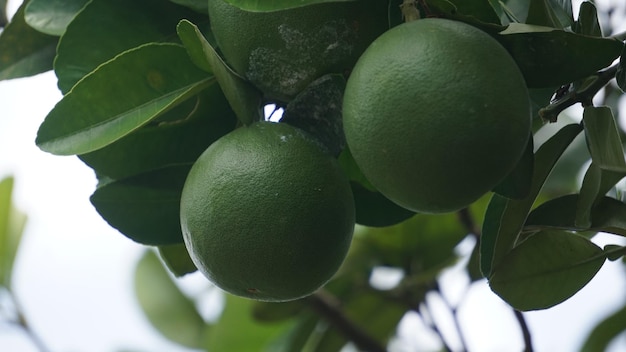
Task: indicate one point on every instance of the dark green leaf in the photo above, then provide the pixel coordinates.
(269, 312)
(375, 210)
(200, 6)
(3, 13)
(517, 184)
(243, 97)
(550, 58)
(550, 13)
(296, 338)
(505, 218)
(479, 9)
(317, 110)
(149, 80)
(146, 207)
(128, 24)
(596, 184)
(588, 23)
(52, 16)
(275, 5)
(191, 128)
(602, 334)
(236, 330)
(608, 215)
(546, 269)
(12, 222)
(23, 50)
(177, 259)
(172, 313)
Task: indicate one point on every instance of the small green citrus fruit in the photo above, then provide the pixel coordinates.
(281, 52)
(436, 113)
(266, 213)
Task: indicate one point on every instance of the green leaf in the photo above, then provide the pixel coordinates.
(52, 16)
(172, 313)
(127, 24)
(608, 215)
(518, 183)
(550, 13)
(200, 6)
(588, 23)
(24, 51)
(182, 134)
(269, 312)
(546, 269)
(177, 260)
(620, 75)
(505, 218)
(243, 97)
(603, 139)
(375, 210)
(551, 58)
(606, 331)
(236, 330)
(149, 80)
(296, 339)
(145, 207)
(275, 5)
(12, 223)
(479, 9)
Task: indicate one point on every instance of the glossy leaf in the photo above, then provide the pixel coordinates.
(550, 13)
(236, 330)
(275, 5)
(518, 183)
(546, 269)
(85, 45)
(505, 218)
(177, 259)
(180, 136)
(145, 207)
(608, 215)
(606, 331)
(172, 313)
(479, 9)
(150, 80)
(620, 75)
(52, 16)
(551, 58)
(12, 222)
(244, 99)
(23, 50)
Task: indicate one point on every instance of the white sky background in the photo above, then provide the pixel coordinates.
(73, 275)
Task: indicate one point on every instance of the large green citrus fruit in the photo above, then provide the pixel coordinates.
(266, 213)
(281, 52)
(436, 113)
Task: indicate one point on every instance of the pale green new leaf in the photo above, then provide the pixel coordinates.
(12, 223)
(119, 97)
(52, 16)
(172, 313)
(546, 269)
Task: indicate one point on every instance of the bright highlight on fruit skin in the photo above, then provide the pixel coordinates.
(436, 114)
(267, 214)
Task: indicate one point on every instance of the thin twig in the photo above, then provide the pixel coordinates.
(467, 220)
(22, 322)
(455, 318)
(528, 345)
(433, 326)
(326, 305)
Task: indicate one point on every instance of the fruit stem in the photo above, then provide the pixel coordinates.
(409, 10)
(569, 95)
(528, 345)
(328, 306)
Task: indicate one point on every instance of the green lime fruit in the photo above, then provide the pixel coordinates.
(436, 114)
(281, 52)
(266, 213)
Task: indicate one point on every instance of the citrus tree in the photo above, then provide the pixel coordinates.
(408, 126)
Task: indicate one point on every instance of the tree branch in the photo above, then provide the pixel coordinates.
(326, 305)
(528, 345)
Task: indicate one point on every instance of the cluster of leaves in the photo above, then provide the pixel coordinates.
(145, 92)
